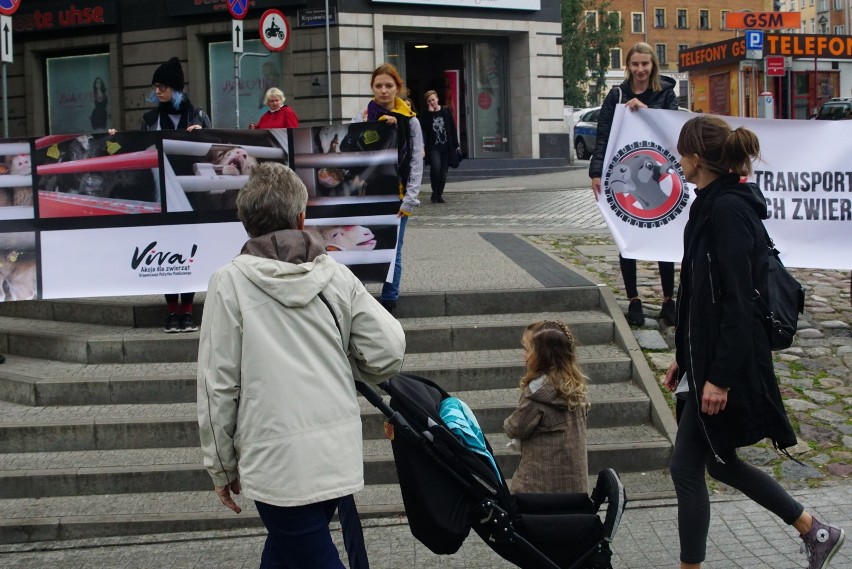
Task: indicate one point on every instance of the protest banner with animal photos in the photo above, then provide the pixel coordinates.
(153, 212)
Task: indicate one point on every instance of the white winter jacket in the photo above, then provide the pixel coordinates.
(277, 405)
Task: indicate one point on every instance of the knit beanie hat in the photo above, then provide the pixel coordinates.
(170, 74)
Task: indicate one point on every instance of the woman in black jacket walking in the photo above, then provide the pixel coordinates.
(440, 139)
(723, 375)
(644, 88)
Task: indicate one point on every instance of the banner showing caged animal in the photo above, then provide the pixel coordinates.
(136, 212)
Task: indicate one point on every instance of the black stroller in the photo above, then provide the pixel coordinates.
(449, 489)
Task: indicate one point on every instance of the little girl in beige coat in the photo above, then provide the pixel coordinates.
(550, 419)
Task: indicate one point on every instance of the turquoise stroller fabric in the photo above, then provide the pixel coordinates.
(460, 420)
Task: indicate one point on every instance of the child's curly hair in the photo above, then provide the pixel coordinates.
(552, 350)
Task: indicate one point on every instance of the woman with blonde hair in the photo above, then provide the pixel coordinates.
(279, 115)
(550, 419)
(723, 376)
(643, 88)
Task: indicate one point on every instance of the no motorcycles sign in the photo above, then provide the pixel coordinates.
(274, 30)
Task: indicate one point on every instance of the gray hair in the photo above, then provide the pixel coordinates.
(274, 91)
(271, 200)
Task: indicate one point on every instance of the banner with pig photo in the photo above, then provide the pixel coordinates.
(155, 212)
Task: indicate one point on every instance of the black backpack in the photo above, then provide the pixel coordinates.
(785, 300)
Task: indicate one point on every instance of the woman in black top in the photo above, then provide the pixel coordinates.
(644, 88)
(440, 139)
(723, 374)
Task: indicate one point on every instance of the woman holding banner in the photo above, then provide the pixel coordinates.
(174, 111)
(387, 105)
(723, 376)
(644, 88)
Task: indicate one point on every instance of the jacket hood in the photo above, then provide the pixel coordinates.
(748, 191)
(290, 266)
(543, 391)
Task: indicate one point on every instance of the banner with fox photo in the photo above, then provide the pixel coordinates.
(804, 171)
(155, 212)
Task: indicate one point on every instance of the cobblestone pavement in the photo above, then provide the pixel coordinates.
(815, 373)
(742, 535)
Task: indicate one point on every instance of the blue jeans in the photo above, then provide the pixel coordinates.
(390, 291)
(299, 537)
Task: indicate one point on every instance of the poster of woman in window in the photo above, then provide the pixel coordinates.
(77, 88)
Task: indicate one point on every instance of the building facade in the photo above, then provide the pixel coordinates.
(497, 64)
(670, 26)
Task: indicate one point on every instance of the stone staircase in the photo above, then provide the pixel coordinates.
(98, 432)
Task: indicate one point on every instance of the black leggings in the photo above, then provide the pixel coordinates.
(439, 164)
(690, 458)
(628, 273)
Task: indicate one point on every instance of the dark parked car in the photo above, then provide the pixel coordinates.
(836, 109)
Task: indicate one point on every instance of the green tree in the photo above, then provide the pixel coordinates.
(586, 44)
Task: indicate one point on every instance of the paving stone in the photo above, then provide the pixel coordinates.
(829, 417)
(650, 340)
(819, 396)
(800, 405)
(791, 470)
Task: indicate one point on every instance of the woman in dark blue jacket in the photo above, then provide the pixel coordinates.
(723, 375)
(644, 88)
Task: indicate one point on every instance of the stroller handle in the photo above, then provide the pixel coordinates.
(394, 418)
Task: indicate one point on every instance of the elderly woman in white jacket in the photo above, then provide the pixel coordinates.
(286, 331)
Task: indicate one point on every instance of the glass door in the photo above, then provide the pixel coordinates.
(489, 101)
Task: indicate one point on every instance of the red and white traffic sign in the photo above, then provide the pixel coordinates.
(274, 30)
(775, 65)
(8, 7)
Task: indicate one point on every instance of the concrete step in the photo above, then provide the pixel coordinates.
(58, 518)
(35, 382)
(149, 311)
(107, 427)
(102, 344)
(180, 469)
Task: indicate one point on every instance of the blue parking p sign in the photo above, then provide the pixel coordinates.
(754, 39)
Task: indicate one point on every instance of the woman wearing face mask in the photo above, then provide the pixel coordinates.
(644, 88)
(279, 115)
(441, 139)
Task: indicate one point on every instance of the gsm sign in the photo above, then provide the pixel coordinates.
(763, 20)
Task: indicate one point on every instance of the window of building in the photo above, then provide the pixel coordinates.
(838, 4)
(659, 17)
(256, 76)
(823, 5)
(591, 20)
(681, 18)
(612, 20)
(638, 19)
(661, 54)
(682, 46)
(813, 26)
(615, 58)
(76, 105)
(838, 30)
(704, 19)
(722, 16)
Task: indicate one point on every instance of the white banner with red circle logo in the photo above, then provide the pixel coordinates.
(805, 174)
